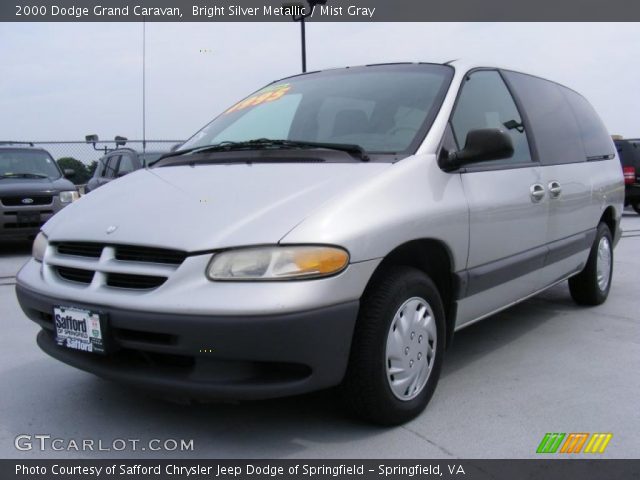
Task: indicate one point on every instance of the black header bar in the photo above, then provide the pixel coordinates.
(388, 469)
(333, 11)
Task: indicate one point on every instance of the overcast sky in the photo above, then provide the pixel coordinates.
(60, 81)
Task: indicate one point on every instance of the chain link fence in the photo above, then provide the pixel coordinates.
(82, 156)
(87, 153)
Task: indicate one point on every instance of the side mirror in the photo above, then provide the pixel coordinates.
(69, 172)
(481, 145)
(120, 141)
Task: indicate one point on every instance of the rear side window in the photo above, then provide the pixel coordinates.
(99, 172)
(110, 166)
(126, 165)
(595, 137)
(552, 121)
(485, 102)
(565, 126)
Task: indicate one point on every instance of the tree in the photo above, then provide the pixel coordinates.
(81, 174)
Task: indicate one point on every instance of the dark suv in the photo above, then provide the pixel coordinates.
(32, 189)
(629, 153)
(118, 163)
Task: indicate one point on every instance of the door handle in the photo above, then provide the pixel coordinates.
(554, 189)
(537, 192)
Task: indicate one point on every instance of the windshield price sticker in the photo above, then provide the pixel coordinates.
(268, 94)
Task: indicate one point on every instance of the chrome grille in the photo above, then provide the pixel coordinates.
(80, 249)
(154, 255)
(75, 274)
(130, 253)
(139, 282)
(112, 266)
(26, 200)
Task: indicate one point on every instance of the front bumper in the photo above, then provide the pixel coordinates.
(12, 228)
(210, 356)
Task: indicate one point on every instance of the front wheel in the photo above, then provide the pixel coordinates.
(591, 286)
(636, 207)
(397, 350)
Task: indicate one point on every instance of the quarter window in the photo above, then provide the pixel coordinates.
(595, 136)
(485, 102)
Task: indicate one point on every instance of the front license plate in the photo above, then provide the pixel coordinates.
(79, 329)
(28, 219)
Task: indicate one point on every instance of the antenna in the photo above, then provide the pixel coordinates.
(144, 85)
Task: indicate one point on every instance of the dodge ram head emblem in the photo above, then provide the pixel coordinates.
(27, 201)
(111, 229)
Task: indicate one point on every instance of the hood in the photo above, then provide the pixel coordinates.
(204, 207)
(33, 186)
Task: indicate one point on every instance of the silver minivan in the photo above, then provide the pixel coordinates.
(333, 228)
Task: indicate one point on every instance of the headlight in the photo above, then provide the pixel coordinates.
(277, 263)
(39, 246)
(68, 197)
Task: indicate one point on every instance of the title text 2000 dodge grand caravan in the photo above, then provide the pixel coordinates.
(332, 228)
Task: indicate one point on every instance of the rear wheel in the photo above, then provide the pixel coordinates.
(592, 285)
(636, 207)
(397, 350)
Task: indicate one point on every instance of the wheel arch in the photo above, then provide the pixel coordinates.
(609, 219)
(434, 258)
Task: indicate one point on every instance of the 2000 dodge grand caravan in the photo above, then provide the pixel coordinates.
(333, 228)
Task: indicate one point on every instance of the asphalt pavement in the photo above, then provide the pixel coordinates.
(545, 365)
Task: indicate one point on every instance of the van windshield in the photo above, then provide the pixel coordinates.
(27, 164)
(382, 109)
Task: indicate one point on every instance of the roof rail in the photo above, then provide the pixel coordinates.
(123, 148)
(16, 143)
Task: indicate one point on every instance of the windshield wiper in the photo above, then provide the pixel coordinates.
(342, 147)
(23, 175)
(266, 143)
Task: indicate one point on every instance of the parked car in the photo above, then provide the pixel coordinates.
(119, 163)
(32, 189)
(629, 153)
(335, 227)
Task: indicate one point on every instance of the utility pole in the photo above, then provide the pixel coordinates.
(301, 18)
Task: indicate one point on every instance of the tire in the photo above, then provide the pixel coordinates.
(585, 287)
(636, 207)
(369, 384)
